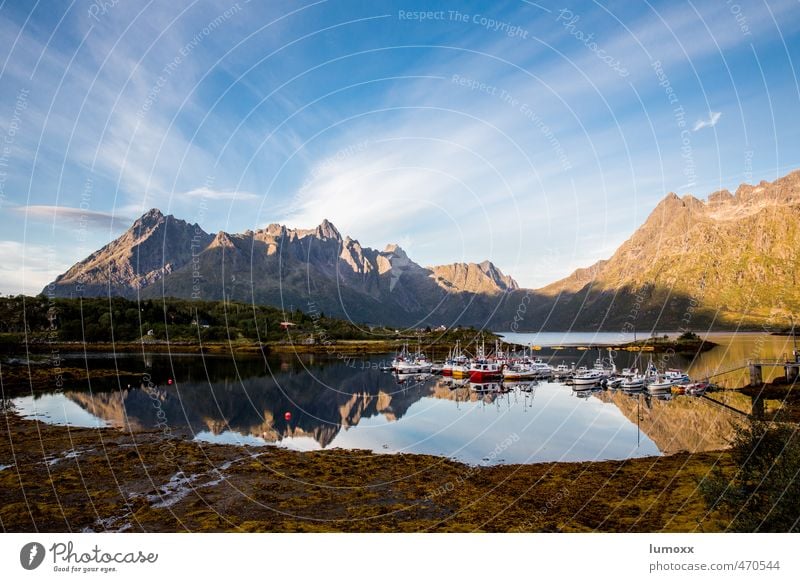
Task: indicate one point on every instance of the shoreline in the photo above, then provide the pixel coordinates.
(60, 478)
(349, 347)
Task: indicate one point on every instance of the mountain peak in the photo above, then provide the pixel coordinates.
(149, 219)
(483, 277)
(327, 230)
(394, 249)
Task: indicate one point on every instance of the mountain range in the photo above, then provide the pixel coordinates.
(724, 262)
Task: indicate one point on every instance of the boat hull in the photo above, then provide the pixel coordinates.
(482, 376)
(585, 382)
(510, 375)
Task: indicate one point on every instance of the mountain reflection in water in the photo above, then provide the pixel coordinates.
(356, 406)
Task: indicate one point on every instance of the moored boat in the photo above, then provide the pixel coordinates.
(519, 372)
(697, 389)
(455, 358)
(587, 380)
(660, 385)
(484, 371)
(563, 371)
(632, 384)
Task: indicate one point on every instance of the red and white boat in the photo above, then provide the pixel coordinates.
(485, 371)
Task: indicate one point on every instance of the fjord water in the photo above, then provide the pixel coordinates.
(353, 404)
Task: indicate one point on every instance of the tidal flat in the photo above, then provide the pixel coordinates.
(57, 479)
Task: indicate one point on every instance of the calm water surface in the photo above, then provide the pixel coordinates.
(333, 403)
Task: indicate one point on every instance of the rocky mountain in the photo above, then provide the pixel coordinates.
(475, 278)
(315, 270)
(728, 261)
(155, 246)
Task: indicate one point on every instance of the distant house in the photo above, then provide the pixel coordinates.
(287, 324)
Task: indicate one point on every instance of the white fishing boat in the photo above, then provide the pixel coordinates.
(677, 376)
(401, 357)
(587, 380)
(660, 385)
(519, 371)
(633, 383)
(606, 370)
(563, 371)
(407, 363)
(542, 369)
(422, 362)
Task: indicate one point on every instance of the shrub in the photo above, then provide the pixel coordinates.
(761, 494)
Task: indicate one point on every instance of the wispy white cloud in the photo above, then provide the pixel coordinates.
(713, 118)
(74, 216)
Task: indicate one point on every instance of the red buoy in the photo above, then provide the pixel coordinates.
(169, 381)
(288, 416)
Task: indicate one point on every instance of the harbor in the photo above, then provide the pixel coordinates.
(203, 423)
(457, 406)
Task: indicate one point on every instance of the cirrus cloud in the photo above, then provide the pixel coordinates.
(713, 118)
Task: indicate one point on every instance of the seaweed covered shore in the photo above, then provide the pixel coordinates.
(57, 478)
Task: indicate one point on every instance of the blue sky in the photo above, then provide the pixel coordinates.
(536, 135)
